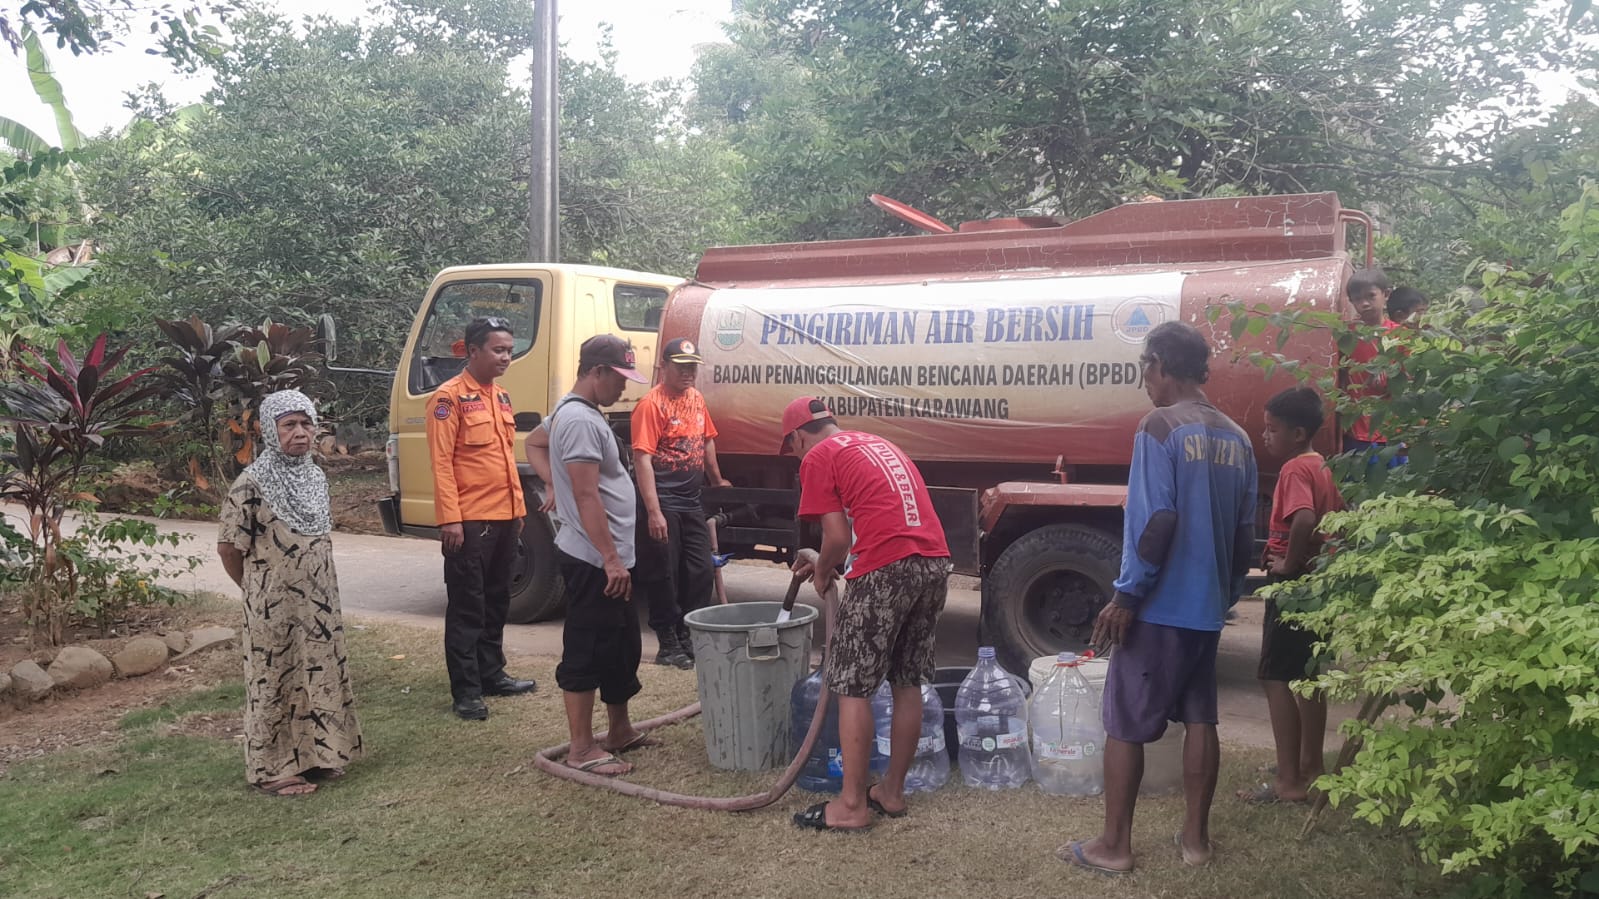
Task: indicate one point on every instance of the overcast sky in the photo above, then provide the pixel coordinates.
(654, 39)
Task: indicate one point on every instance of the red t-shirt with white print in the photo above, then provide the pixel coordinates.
(871, 481)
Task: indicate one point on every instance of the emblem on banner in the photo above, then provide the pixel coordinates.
(730, 329)
(1136, 317)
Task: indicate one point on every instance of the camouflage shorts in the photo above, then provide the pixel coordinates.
(886, 625)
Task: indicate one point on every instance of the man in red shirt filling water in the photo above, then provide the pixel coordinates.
(877, 521)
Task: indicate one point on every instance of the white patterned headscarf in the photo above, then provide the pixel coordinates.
(293, 486)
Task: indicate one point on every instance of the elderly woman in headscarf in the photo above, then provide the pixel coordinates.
(299, 717)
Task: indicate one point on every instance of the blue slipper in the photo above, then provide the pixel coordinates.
(1072, 854)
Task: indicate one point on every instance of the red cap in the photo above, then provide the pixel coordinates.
(800, 411)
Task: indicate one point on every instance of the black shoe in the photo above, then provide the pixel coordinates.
(685, 641)
(470, 708)
(671, 652)
(509, 686)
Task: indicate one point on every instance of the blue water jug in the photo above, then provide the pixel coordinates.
(824, 770)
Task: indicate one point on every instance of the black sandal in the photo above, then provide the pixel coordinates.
(879, 808)
(815, 818)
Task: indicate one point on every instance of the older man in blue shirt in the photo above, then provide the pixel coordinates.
(1187, 542)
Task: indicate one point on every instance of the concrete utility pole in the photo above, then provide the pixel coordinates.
(544, 179)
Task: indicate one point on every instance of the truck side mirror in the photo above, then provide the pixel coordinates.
(328, 334)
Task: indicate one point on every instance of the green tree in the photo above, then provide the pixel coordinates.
(90, 26)
(337, 167)
(969, 108)
(1463, 585)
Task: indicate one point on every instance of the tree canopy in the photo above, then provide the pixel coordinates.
(971, 108)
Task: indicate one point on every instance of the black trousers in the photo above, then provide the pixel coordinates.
(676, 576)
(477, 581)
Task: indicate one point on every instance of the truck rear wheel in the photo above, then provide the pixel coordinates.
(1043, 594)
(537, 592)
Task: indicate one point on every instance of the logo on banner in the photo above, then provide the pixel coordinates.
(1136, 317)
(730, 329)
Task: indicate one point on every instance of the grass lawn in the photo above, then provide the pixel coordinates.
(443, 808)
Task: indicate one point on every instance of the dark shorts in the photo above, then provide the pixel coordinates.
(1159, 674)
(886, 626)
(1286, 650)
(600, 644)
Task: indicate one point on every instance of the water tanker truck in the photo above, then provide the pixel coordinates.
(1000, 355)
(1003, 358)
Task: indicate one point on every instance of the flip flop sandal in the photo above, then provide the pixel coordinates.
(1266, 794)
(607, 759)
(1177, 840)
(276, 788)
(815, 818)
(880, 809)
(642, 741)
(1072, 854)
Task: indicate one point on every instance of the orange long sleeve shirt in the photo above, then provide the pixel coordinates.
(471, 432)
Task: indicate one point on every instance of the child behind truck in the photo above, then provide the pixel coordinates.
(1305, 492)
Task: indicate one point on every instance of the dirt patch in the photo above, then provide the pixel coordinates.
(355, 484)
(76, 719)
(80, 718)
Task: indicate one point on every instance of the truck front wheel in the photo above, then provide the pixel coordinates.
(537, 592)
(1043, 594)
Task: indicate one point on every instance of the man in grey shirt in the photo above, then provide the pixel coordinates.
(576, 454)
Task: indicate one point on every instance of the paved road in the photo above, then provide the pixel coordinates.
(401, 579)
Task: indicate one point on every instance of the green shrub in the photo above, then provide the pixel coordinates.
(1464, 584)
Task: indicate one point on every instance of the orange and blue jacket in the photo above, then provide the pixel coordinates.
(471, 434)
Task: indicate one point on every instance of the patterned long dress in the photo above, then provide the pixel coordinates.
(299, 707)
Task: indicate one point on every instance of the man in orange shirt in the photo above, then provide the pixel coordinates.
(478, 502)
(674, 455)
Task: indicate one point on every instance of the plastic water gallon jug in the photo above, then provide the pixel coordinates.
(930, 768)
(991, 719)
(824, 770)
(1068, 740)
(1163, 759)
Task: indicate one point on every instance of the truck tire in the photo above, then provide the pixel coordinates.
(1043, 594)
(537, 591)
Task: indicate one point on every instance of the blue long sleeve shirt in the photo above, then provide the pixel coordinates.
(1189, 531)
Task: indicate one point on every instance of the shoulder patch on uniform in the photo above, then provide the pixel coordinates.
(442, 410)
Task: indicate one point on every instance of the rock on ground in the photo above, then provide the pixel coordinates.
(142, 655)
(80, 668)
(30, 681)
(176, 641)
(203, 638)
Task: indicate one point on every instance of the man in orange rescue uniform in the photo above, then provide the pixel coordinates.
(478, 502)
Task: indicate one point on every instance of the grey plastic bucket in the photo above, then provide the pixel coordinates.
(747, 665)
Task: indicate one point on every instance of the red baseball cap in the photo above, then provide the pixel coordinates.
(805, 409)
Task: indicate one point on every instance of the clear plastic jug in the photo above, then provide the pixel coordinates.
(930, 768)
(1068, 738)
(991, 719)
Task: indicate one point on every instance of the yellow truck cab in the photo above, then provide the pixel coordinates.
(552, 310)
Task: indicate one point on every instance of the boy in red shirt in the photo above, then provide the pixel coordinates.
(1305, 492)
(874, 508)
(1368, 292)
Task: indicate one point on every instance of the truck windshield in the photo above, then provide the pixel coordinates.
(441, 349)
(638, 308)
